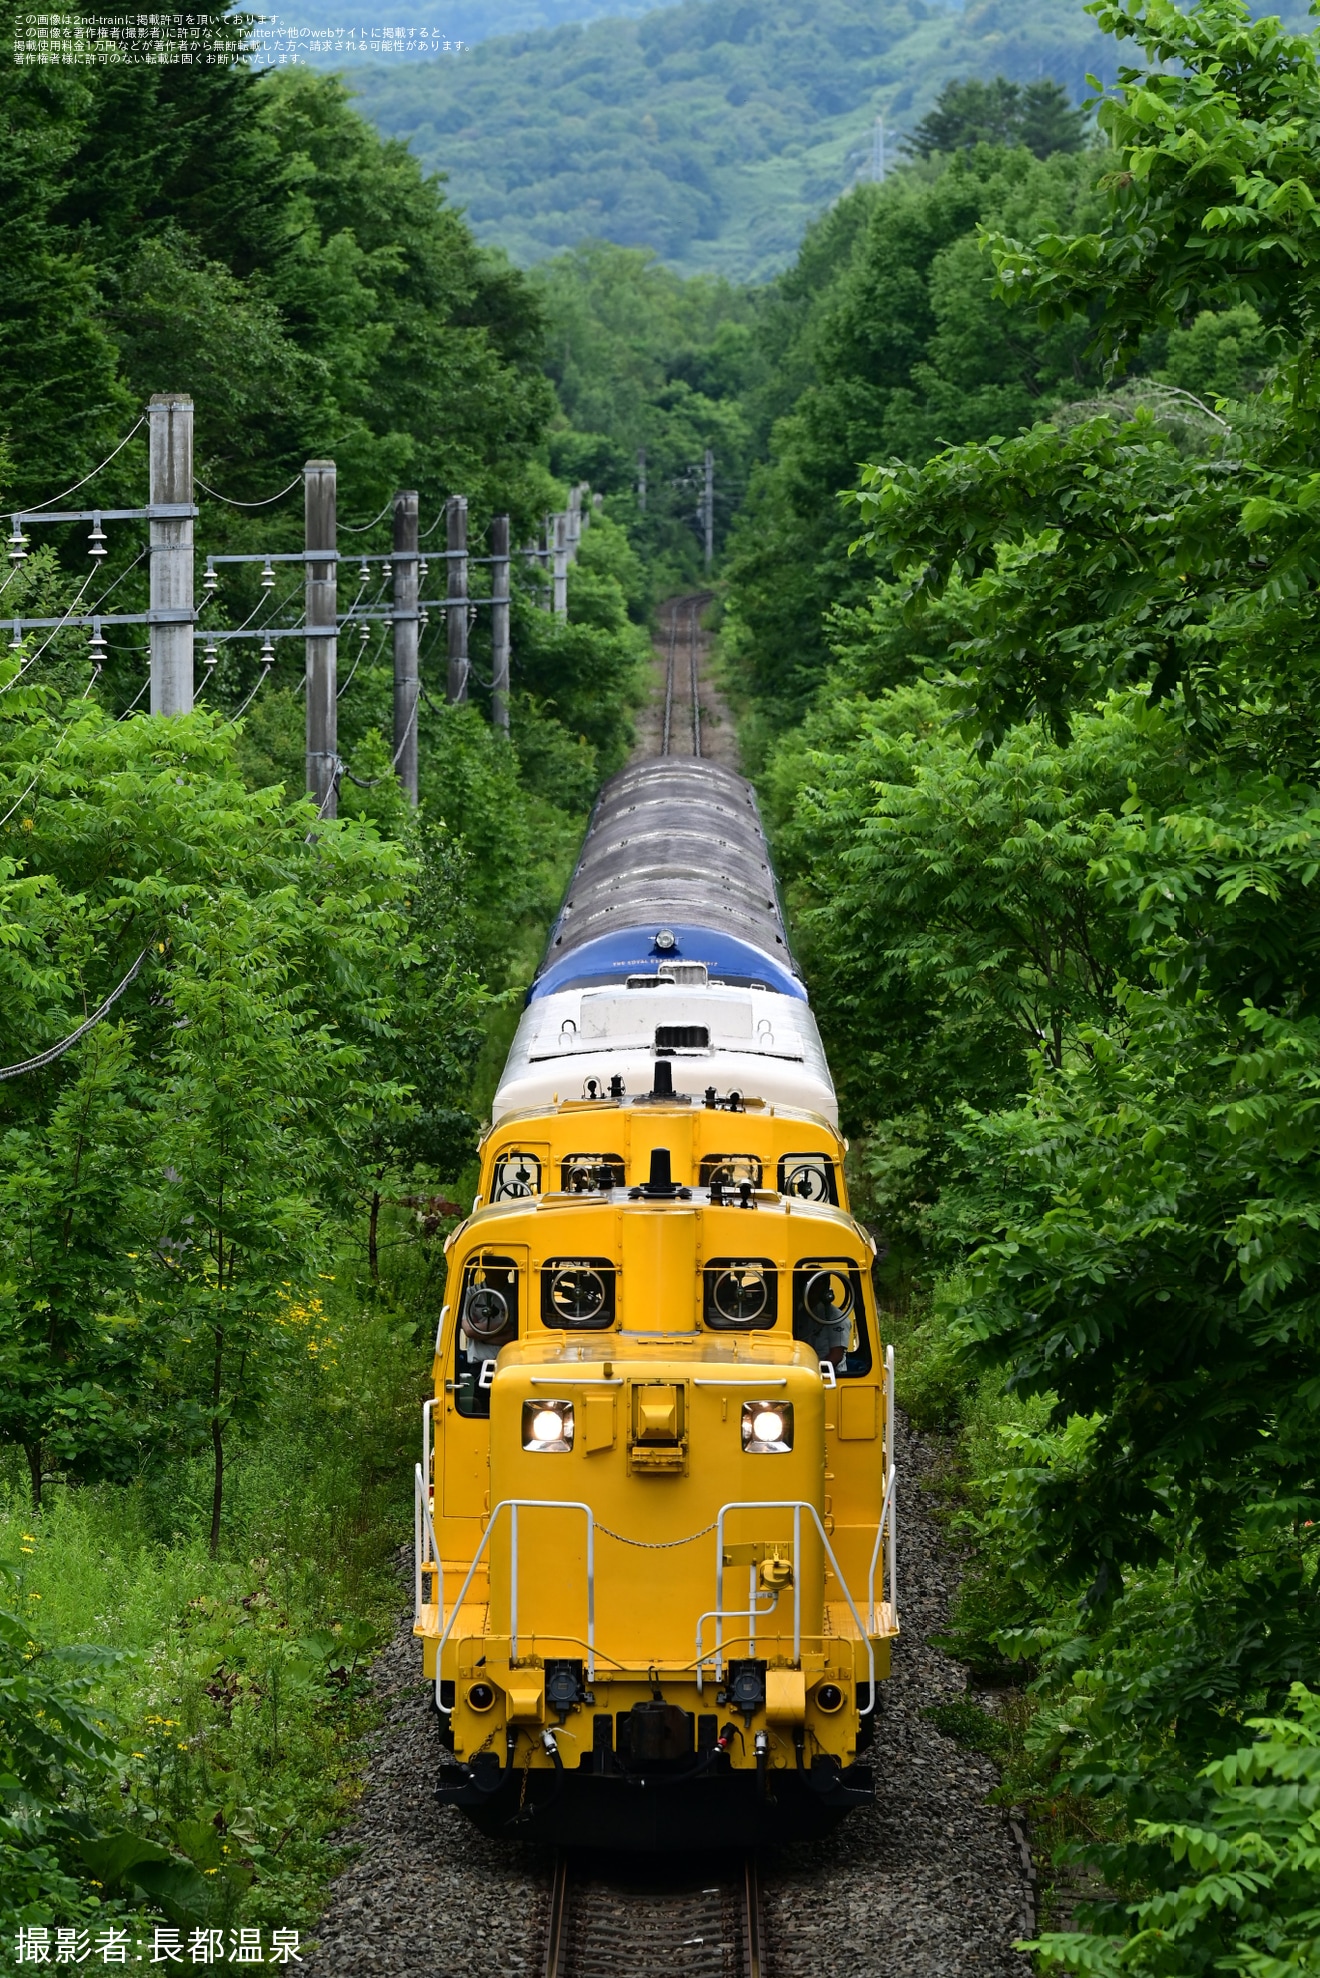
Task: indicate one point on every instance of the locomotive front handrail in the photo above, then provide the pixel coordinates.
(719, 1613)
(424, 1538)
(513, 1505)
(887, 1527)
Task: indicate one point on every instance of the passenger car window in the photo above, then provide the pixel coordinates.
(740, 1294)
(487, 1320)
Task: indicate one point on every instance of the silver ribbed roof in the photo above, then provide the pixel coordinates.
(673, 839)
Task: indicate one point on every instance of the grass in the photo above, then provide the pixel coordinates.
(240, 1701)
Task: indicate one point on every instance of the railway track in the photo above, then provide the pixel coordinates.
(608, 1927)
(683, 672)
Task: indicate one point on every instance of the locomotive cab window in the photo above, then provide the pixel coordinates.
(583, 1174)
(577, 1293)
(811, 1177)
(740, 1294)
(720, 1171)
(515, 1176)
(488, 1320)
(829, 1314)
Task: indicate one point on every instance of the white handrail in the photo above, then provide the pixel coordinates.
(886, 1530)
(425, 1550)
(797, 1505)
(513, 1505)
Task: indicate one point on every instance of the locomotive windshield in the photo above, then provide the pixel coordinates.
(488, 1320)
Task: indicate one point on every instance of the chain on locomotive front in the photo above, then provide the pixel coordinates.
(655, 1507)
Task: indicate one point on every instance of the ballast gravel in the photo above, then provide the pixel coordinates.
(928, 1883)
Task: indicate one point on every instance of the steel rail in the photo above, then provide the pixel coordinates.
(556, 1941)
(694, 612)
(753, 1934)
(566, 1945)
(669, 677)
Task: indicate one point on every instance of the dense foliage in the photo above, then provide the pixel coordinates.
(650, 370)
(712, 132)
(885, 339)
(1036, 114)
(219, 1209)
(1051, 819)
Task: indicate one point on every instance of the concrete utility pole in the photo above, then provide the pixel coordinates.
(170, 483)
(641, 480)
(320, 608)
(499, 621)
(406, 632)
(708, 508)
(456, 591)
(560, 599)
(574, 520)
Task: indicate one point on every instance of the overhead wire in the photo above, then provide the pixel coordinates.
(33, 657)
(136, 698)
(89, 612)
(230, 501)
(67, 1043)
(360, 528)
(242, 710)
(42, 766)
(35, 508)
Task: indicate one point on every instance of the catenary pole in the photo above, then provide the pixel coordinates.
(456, 518)
(560, 599)
(170, 482)
(499, 621)
(708, 508)
(320, 605)
(405, 640)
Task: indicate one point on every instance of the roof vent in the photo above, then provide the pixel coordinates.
(660, 1183)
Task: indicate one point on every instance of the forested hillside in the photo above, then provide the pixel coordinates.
(712, 132)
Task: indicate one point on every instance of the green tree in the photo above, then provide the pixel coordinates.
(1242, 1898)
(893, 345)
(1037, 115)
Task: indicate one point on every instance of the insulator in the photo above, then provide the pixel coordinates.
(423, 620)
(211, 582)
(17, 544)
(268, 575)
(96, 541)
(423, 571)
(364, 572)
(16, 643)
(211, 653)
(267, 653)
(364, 633)
(96, 647)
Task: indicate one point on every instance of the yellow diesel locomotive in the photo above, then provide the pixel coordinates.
(655, 1508)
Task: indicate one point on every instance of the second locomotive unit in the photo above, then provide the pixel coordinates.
(655, 1506)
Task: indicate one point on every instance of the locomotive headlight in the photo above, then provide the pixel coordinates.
(547, 1426)
(767, 1427)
